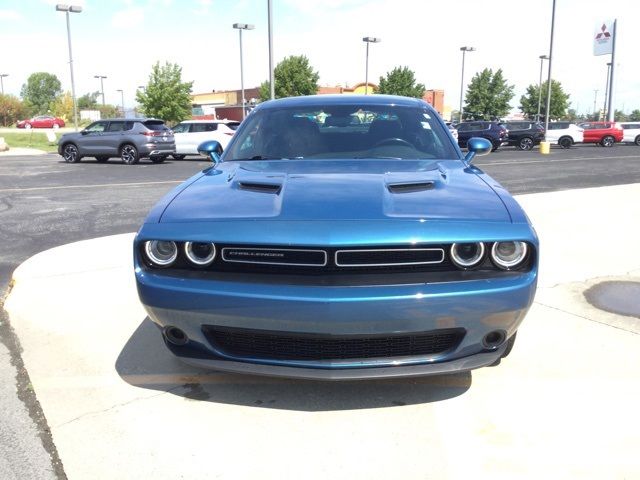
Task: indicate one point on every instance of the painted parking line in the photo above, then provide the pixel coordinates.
(101, 185)
(555, 160)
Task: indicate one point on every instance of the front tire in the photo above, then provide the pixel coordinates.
(27, 126)
(565, 142)
(70, 153)
(525, 143)
(608, 141)
(129, 154)
(637, 140)
(56, 126)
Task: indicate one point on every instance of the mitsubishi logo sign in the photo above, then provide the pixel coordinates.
(603, 38)
(603, 34)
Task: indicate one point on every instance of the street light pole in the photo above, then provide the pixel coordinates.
(464, 51)
(240, 27)
(121, 100)
(2, 75)
(595, 100)
(101, 77)
(272, 87)
(542, 59)
(606, 91)
(74, 9)
(368, 40)
(548, 109)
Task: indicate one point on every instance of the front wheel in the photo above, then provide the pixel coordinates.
(27, 126)
(129, 154)
(56, 126)
(565, 142)
(608, 141)
(178, 157)
(525, 143)
(70, 153)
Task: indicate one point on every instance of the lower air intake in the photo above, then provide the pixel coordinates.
(261, 344)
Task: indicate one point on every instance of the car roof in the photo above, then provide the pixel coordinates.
(130, 119)
(210, 121)
(338, 99)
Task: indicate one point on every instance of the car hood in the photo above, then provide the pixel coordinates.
(293, 190)
(70, 136)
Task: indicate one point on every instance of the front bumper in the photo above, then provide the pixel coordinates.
(477, 306)
(478, 360)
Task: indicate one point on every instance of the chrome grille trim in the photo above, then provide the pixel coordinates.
(392, 264)
(324, 253)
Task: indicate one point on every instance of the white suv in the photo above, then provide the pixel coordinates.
(191, 133)
(564, 134)
(631, 132)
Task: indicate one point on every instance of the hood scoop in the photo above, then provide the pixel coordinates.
(260, 187)
(411, 187)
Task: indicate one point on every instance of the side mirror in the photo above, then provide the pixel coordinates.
(83, 132)
(477, 146)
(211, 149)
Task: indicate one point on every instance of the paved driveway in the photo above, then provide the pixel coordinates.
(45, 203)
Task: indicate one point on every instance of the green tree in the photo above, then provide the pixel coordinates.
(634, 116)
(559, 101)
(108, 111)
(166, 96)
(401, 81)
(63, 107)
(40, 91)
(293, 77)
(573, 116)
(620, 116)
(11, 110)
(488, 95)
(88, 101)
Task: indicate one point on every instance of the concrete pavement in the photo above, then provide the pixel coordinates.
(563, 405)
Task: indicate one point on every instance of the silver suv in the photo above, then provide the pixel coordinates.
(129, 139)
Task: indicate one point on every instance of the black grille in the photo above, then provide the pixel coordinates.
(267, 345)
(275, 256)
(389, 257)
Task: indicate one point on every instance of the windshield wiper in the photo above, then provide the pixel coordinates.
(379, 156)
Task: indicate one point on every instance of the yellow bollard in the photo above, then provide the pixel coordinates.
(545, 147)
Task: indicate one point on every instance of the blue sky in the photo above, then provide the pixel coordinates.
(123, 38)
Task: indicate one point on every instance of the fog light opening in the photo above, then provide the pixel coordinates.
(494, 339)
(175, 336)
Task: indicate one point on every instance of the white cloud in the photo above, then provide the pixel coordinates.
(10, 15)
(128, 18)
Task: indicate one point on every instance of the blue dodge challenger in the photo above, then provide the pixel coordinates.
(339, 237)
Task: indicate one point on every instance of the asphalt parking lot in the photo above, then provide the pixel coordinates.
(45, 203)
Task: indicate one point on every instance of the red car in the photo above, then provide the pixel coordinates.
(603, 133)
(41, 121)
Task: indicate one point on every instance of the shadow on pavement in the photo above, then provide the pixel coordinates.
(145, 362)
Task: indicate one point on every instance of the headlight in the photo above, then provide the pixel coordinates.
(160, 252)
(508, 254)
(467, 255)
(200, 253)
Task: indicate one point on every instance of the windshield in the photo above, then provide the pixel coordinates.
(341, 131)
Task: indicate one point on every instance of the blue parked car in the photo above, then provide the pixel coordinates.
(339, 237)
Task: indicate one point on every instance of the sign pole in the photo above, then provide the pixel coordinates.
(611, 112)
